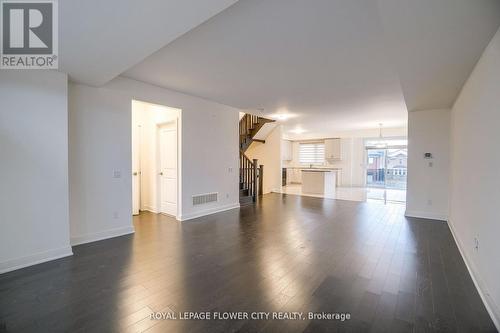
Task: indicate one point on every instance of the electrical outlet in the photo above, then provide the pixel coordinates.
(117, 174)
(431, 164)
(116, 215)
(227, 195)
(476, 244)
(429, 202)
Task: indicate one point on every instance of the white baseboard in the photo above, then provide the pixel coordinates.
(33, 259)
(208, 211)
(492, 308)
(77, 240)
(150, 209)
(426, 215)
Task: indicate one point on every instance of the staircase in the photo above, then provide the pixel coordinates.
(250, 125)
(251, 174)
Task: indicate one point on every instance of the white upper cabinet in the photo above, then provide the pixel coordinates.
(286, 150)
(333, 149)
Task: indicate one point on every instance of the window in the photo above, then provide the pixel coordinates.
(312, 153)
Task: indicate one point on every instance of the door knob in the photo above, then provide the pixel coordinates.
(135, 173)
(161, 173)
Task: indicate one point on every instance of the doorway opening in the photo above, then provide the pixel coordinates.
(156, 159)
(386, 171)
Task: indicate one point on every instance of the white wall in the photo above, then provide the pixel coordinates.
(428, 179)
(34, 224)
(475, 181)
(269, 155)
(100, 143)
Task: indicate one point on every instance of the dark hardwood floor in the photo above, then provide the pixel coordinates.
(289, 253)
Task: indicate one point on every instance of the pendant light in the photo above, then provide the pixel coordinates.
(381, 143)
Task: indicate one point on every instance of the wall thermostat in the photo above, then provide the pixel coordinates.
(427, 155)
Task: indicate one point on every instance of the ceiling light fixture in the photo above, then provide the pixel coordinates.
(381, 143)
(281, 116)
(298, 131)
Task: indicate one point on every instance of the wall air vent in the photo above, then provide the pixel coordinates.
(202, 199)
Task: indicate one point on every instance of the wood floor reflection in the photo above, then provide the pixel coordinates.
(288, 253)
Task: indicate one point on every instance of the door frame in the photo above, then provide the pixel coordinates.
(137, 173)
(158, 164)
(179, 153)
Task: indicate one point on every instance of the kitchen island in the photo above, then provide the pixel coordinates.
(319, 181)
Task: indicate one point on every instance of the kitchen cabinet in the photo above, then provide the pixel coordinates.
(318, 181)
(289, 176)
(333, 149)
(286, 150)
(295, 176)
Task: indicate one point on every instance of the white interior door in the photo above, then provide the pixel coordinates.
(136, 169)
(168, 168)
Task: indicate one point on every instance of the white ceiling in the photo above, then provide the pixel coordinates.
(336, 65)
(99, 39)
(322, 61)
(435, 44)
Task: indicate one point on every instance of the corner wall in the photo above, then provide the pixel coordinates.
(475, 181)
(428, 179)
(34, 224)
(100, 144)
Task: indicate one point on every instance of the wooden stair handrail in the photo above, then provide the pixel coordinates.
(249, 175)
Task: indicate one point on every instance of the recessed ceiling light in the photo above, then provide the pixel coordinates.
(282, 116)
(298, 131)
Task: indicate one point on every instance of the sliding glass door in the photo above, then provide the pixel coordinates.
(386, 173)
(396, 168)
(375, 170)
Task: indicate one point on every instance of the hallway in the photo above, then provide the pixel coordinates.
(288, 253)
